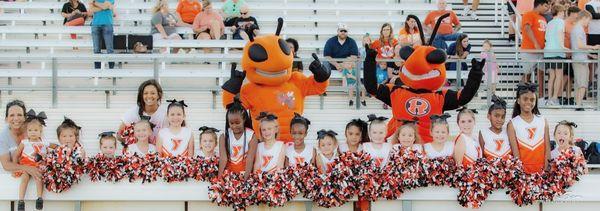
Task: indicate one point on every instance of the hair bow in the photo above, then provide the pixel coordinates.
(527, 87)
(359, 122)
(208, 129)
(298, 117)
(373, 117)
(498, 101)
(174, 101)
(322, 133)
(565, 122)
(406, 121)
(70, 123)
(144, 117)
(266, 116)
(441, 117)
(465, 108)
(106, 134)
(39, 116)
(236, 102)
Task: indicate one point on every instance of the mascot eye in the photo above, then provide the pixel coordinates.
(284, 47)
(405, 52)
(257, 53)
(436, 57)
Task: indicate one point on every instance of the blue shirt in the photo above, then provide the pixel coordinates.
(334, 49)
(451, 51)
(555, 28)
(103, 17)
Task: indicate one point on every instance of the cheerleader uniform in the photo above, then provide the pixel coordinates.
(327, 162)
(202, 154)
(555, 152)
(175, 144)
(295, 158)
(345, 148)
(495, 145)
(530, 141)
(472, 149)
(432, 153)
(415, 147)
(268, 158)
(238, 150)
(133, 149)
(30, 151)
(381, 156)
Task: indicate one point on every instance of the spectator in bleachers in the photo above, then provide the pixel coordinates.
(102, 27)
(188, 9)
(470, 10)
(513, 18)
(149, 98)
(340, 47)
(449, 27)
(293, 45)
(409, 34)
(593, 7)
(579, 43)
(555, 42)
(244, 23)
(568, 70)
(534, 31)
(163, 23)
(458, 50)
(74, 13)
(231, 11)
(386, 42)
(11, 136)
(209, 23)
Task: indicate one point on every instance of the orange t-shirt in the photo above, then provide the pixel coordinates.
(447, 23)
(538, 26)
(385, 50)
(568, 27)
(405, 37)
(188, 10)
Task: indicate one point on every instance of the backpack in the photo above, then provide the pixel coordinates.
(582, 145)
(593, 153)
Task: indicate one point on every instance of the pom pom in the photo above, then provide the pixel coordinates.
(276, 188)
(102, 168)
(205, 169)
(177, 168)
(233, 190)
(330, 189)
(127, 135)
(62, 168)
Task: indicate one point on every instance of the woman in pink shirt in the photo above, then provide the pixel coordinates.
(209, 23)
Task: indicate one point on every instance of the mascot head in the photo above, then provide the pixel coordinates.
(267, 59)
(424, 66)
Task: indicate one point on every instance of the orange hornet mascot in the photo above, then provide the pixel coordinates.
(422, 75)
(272, 86)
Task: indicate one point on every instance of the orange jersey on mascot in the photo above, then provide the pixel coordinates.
(417, 96)
(272, 86)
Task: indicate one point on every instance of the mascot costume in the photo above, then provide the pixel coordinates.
(272, 86)
(422, 75)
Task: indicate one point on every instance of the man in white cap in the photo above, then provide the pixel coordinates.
(340, 47)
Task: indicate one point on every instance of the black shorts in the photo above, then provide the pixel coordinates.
(568, 70)
(511, 10)
(554, 65)
(593, 39)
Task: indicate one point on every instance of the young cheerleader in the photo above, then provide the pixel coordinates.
(327, 150)
(378, 148)
(68, 135)
(494, 140)
(466, 148)
(357, 133)
(237, 146)
(407, 137)
(177, 139)
(299, 152)
(440, 146)
(563, 134)
(142, 131)
(29, 153)
(108, 144)
(528, 131)
(208, 141)
(270, 153)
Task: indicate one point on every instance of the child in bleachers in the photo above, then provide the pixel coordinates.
(528, 131)
(108, 144)
(29, 153)
(299, 152)
(142, 131)
(327, 150)
(467, 149)
(68, 135)
(177, 139)
(440, 131)
(491, 67)
(378, 148)
(208, 142)
(237, 145)
(357, 133)
(270, 153)
(349, 79)
(494, 140)
(563, 134)
(407, 137)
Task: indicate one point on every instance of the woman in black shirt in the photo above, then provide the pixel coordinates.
(74, 13)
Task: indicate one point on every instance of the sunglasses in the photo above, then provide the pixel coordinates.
(344, 31)
(243, 13)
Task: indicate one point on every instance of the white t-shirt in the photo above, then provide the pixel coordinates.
(134, 149)
(447, 150)
(594, 27)
(175, 144)
(158, 118)
(380, 155)
(295, 158)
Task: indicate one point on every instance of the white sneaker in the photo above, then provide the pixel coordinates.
(473, 15)
(466, 11)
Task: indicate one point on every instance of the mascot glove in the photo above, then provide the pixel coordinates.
(476, 65)
(321, 73)
(234, 84)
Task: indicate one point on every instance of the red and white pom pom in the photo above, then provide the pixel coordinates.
(441, 171)
(151, 168)
(232, 190)
(276, 188)
(475, 183)
(204, 169)
(406, 170)
(62, 168)
(127, 134)
(101, 168)
(177, 169)
(330, 189)
(132, 167)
